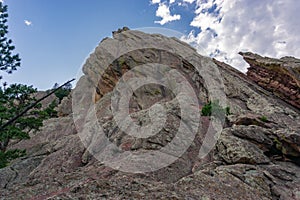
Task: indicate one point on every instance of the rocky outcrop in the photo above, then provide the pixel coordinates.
(279, 76)
(65, 106)
(256, 155)
(46, 102)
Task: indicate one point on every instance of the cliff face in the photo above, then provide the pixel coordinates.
(94, 151)
(279, 76)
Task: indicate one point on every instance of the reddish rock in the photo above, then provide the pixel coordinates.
(279, 76)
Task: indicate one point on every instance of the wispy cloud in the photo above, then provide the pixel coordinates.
(163, 11)
(270, 28)
(28, 23)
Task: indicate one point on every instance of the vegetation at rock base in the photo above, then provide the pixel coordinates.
(63, 91)
(15, 99)
(264, 118)
(214, 108)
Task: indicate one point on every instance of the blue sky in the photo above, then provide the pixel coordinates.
(64, 32)
(55, 37)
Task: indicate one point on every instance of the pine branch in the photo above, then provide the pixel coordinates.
(12, 120)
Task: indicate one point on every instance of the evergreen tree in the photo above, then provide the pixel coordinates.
(13, 100)
(56, 85)
(63, 91)
(9, 62)
(20, 113)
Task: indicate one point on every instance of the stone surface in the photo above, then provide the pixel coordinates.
(254, 157)
(46, 102)
(234, 150)
(65, 107)
(280, 76)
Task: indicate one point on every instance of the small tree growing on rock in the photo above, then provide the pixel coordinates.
(214, 106)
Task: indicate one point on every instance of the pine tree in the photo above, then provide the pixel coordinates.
(15, 99)
(56, 85)
(63, 91)
(8, 61)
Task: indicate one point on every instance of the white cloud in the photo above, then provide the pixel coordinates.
(163, 11)
(189, 1)
(270, 28)
(155, 1)
(172, 1)
(27, 22)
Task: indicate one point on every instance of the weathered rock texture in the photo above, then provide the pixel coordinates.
(256, 157)
(279, 76)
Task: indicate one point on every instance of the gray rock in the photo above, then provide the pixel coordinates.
(234, 150)
(252, 159)
(65, 107)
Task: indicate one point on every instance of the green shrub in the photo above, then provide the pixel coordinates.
(264, 118)
(61, 93)
(215, 109)
(206, 110)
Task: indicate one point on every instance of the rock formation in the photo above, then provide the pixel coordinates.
(279, 76)
(256, 156)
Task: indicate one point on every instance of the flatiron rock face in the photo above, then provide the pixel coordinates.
(93, 151)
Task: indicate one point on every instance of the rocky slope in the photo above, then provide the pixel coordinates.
(279, 76)
(256, 155)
